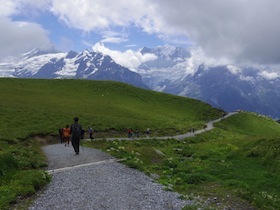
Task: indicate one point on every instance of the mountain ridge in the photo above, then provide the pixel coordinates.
(58, 65)
(226, 86)
(172, 71)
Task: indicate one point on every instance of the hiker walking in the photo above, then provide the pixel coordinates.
(66, 135)
(90, 132)
(129, 133)
(60, 131)
(137, 133)
(148, 132)
(76, 131)
(82, 133)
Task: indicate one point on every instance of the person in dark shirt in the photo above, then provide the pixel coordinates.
(76, 131)
(60, 130)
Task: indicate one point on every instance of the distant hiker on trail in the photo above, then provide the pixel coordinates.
(82, 133)
(66, 135)
(129, 133)
(76, 132)
(137, 133)
(148, 132)
(60, 131)
(90, 132)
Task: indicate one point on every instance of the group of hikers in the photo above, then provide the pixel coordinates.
(74, 133)
(131, 133)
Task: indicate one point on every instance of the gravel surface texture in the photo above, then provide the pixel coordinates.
(95, 180)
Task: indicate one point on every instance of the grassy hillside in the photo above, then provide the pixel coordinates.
(42, 106)
(237, 164)
(31, 107)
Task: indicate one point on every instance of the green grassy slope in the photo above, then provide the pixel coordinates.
(238, 162)
(42, 106)
(245, 157)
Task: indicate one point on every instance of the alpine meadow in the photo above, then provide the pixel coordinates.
(237, 162)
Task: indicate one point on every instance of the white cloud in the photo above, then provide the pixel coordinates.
(23, 7)
(101, 14)
(20, 37)
(247, 78)
(7, 8)
(113, 40)
(114, 37)
(199, 57)
(239, 31)
(130, 59)
(131, 45)
(234, 69)
(269, 75)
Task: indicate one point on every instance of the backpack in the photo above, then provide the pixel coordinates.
(66, 132)
(90, 130)
(76, 130)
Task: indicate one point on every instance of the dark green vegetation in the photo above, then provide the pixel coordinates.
(39, 107)
(237, 164)
(20, 171)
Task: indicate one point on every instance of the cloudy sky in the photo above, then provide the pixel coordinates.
(238, 31)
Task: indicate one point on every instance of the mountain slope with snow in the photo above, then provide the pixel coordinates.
(84, 65)
(227, 87)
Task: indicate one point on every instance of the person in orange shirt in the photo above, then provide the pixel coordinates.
(66, 135)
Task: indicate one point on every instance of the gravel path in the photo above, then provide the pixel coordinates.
(95, 180)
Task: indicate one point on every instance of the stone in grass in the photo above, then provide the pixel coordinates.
(159, 152)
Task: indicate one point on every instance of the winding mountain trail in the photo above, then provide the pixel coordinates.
(209, 126)
(95, 180)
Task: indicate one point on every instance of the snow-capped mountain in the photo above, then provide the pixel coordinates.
(171, 65)
(227, 87)
(85, 65)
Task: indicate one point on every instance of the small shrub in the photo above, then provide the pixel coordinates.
(7, 163)
(195, 178)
